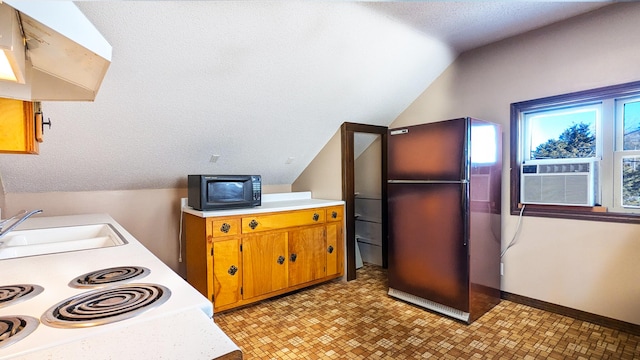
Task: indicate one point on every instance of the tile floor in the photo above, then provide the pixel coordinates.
(357, 320)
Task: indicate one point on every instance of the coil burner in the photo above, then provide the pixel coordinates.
(15, 328)
(109, 276)
(13, 294)
(103, 306)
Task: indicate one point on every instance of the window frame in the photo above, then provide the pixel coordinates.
(595, 213)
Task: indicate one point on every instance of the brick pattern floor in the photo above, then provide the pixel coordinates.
(358, 320)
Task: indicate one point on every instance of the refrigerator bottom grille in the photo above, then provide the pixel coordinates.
(431, 305)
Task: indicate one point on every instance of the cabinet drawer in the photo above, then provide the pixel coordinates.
(335, 213)
(225, 227)
(282, 220)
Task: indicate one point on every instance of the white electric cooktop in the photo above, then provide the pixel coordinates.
(152, 327)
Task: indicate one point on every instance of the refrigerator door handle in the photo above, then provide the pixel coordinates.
(464, 203)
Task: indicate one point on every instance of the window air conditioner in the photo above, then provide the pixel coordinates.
(567, 182)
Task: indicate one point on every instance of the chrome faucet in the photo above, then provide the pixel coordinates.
(25, 215)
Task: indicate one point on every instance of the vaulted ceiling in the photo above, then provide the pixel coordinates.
(261, 84)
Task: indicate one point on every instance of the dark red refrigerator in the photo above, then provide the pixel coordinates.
(444, 216)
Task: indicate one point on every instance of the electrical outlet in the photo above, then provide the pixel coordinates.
(183, 202)
(501, 269)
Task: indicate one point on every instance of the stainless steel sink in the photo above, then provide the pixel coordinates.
(22, 243)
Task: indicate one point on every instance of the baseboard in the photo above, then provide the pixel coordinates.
(573, 313)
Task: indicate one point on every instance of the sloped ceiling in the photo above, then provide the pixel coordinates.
(262, 84)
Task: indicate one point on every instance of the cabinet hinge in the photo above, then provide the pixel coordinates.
(241, 290)
(240, 247)
(211, 251)
(212, 297)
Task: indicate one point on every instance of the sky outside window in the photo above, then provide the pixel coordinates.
(550, 125)
(632, 125)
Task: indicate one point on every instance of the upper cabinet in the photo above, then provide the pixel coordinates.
(53, 51)
(20, 126)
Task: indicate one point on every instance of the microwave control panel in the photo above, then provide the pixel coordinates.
(257, 187)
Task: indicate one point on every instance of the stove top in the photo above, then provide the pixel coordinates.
(103, 306)
(109, 276)
(92, 308)
(13, 294)
(15, 328)
(63, 279)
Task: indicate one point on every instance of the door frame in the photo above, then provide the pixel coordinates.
(348, 189)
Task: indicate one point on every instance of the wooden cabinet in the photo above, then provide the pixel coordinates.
(18, 127)
(265, 264)
(239, 260)
(307, 255)
(227, 272)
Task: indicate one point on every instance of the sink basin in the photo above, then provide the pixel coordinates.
(21, 243)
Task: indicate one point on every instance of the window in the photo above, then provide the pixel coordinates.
(578, 155)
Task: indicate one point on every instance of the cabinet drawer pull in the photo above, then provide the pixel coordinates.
(334, 214)
(293, 257)
(253, 224)
(225, 228)
(316, 216)
(330, 249)
(280, 259)
(232, 270)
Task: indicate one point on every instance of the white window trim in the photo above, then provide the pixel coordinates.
(610, 165)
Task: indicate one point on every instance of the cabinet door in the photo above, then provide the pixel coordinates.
(333, 249)
(17, 127)
(307, 255)
(227, 274)
(265, 265)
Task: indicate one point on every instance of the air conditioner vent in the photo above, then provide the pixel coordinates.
(568, 183)
(564, 168)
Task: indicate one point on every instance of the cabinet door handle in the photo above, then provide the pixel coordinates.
(293, 257)
(334, 214)
(280, 259)
(253, 224)
(225, 228)
(232, 270)
(330, 249)
(316, 217)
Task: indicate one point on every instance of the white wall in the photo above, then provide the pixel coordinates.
(590, 266)
(367, 169)
(323, 177)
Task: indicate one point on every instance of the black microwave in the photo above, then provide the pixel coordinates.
(215, 192)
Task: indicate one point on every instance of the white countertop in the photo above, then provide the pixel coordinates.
(54, 271)
(270, 203)
(210, 342)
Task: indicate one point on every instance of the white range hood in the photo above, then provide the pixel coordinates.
(66, 56)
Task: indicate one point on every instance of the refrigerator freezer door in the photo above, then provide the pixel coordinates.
(435, 151)
(428, 255)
